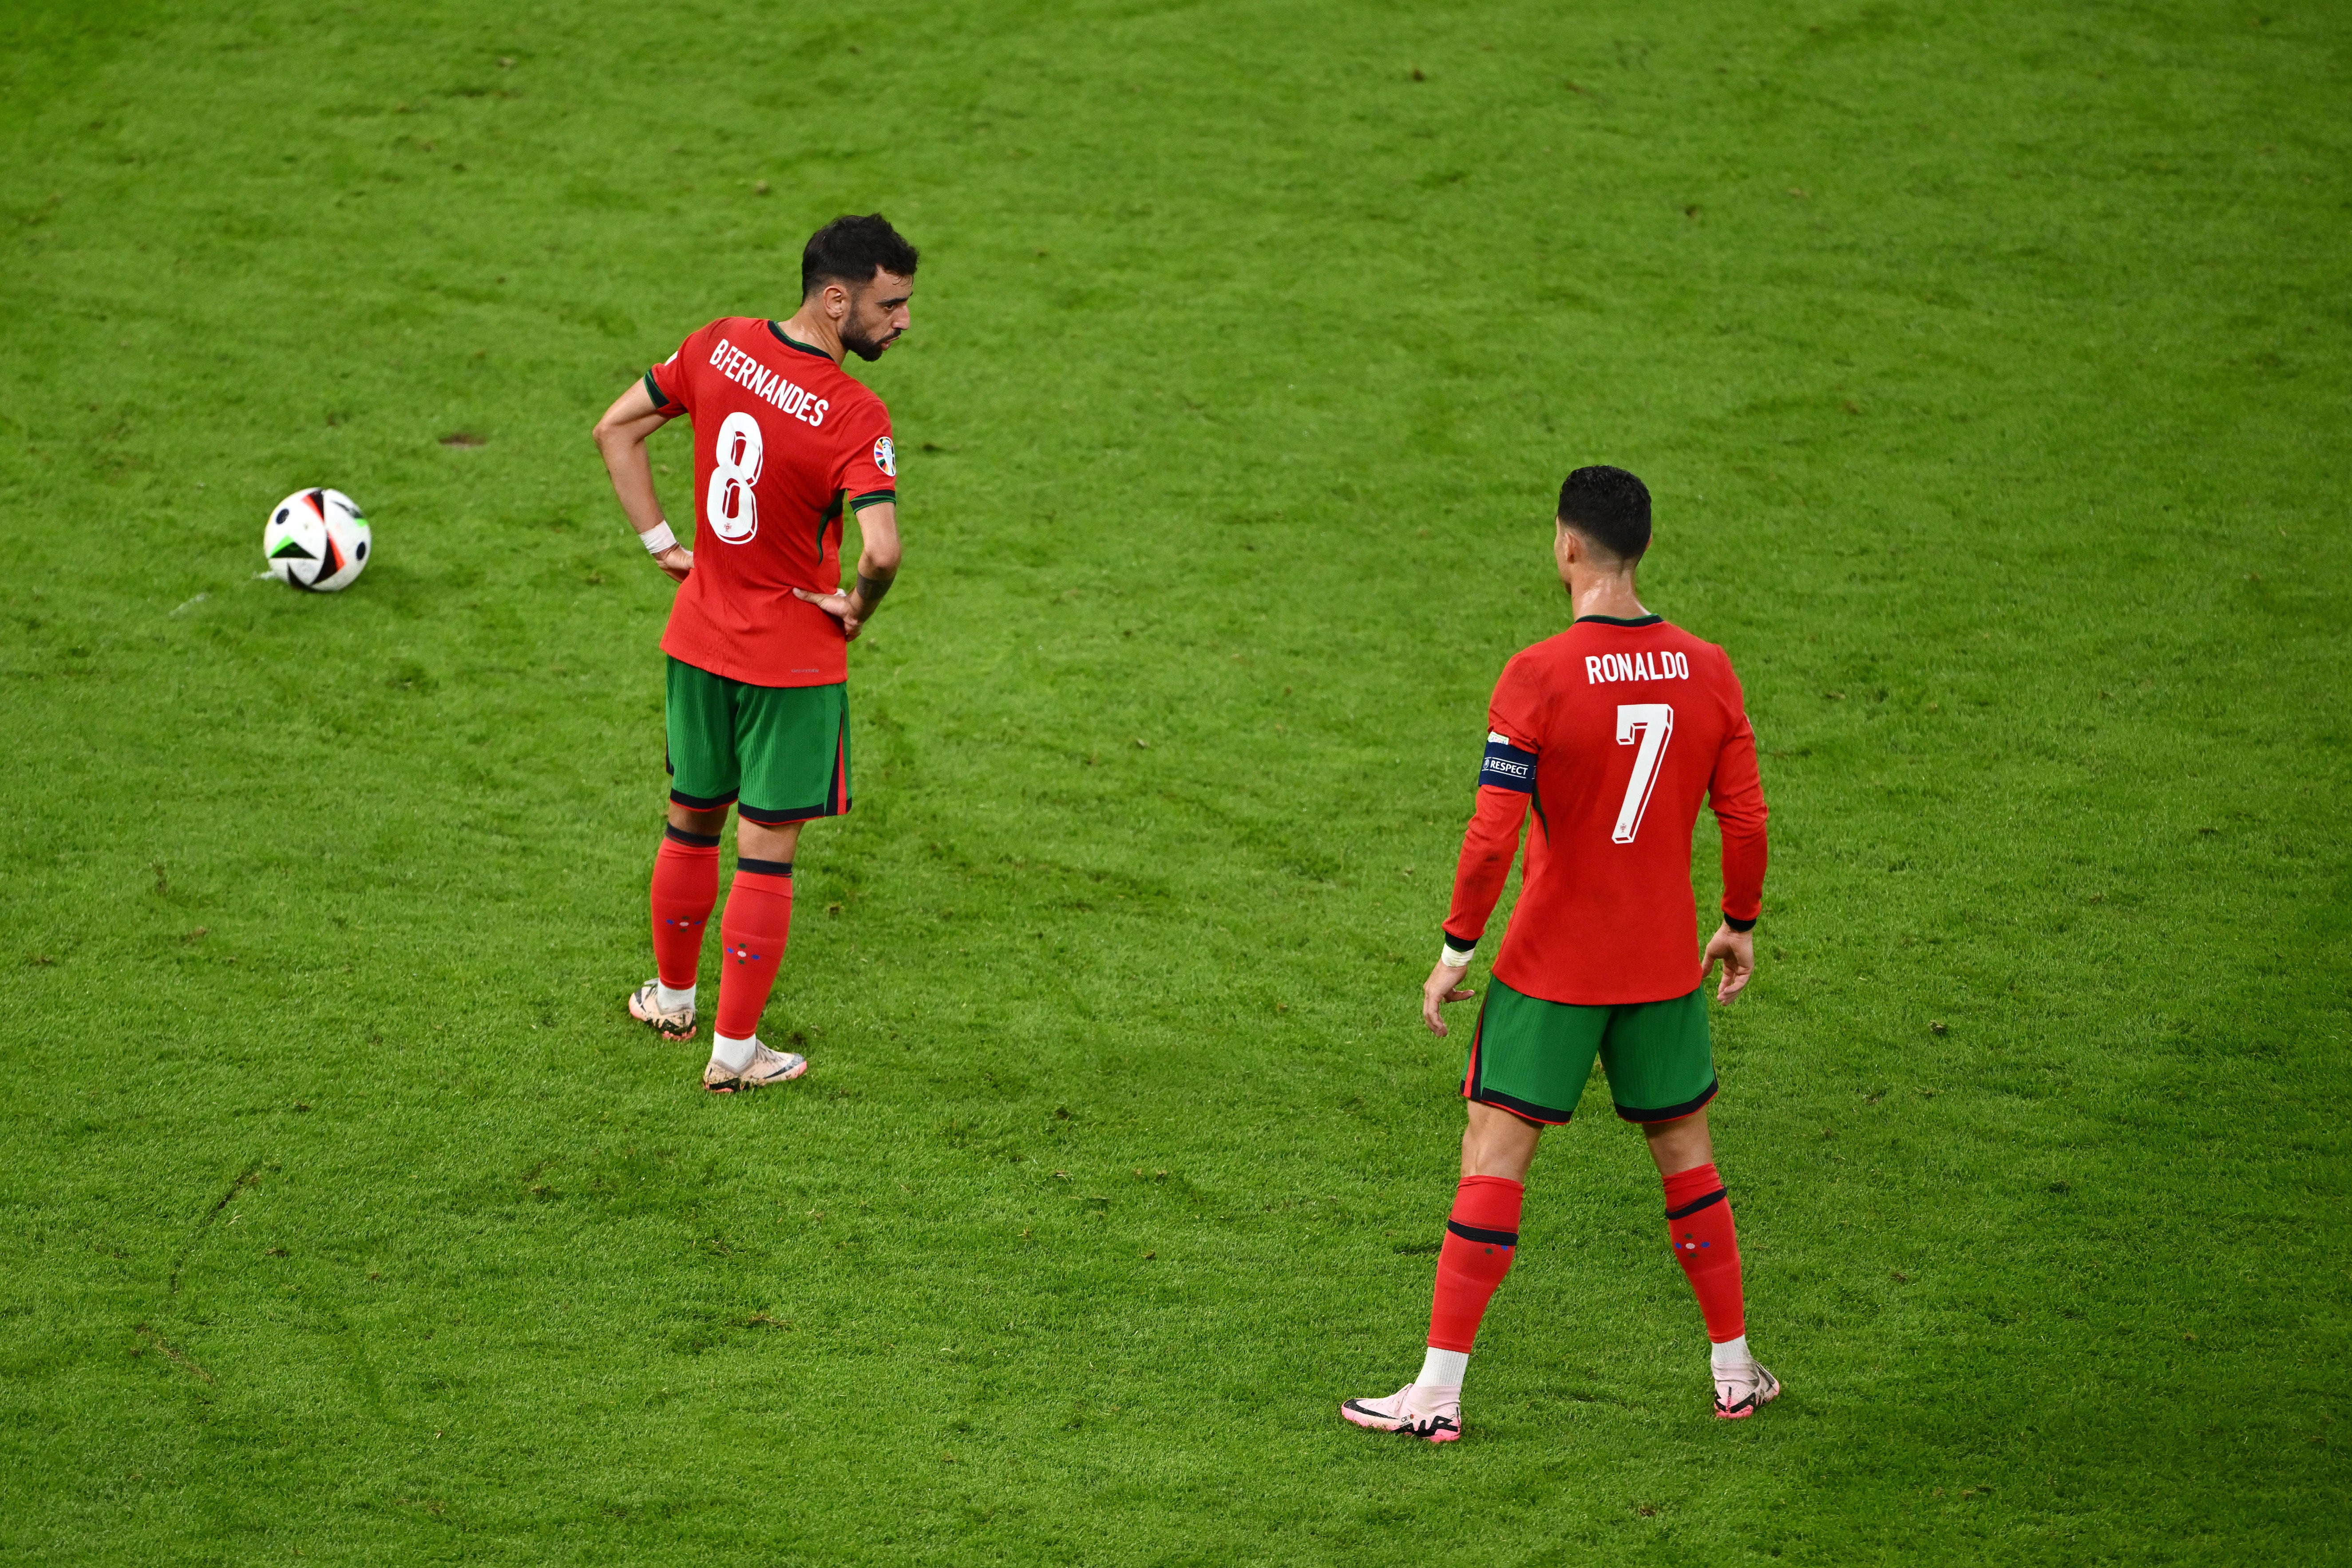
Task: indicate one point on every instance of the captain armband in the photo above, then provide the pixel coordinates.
(1506, 766)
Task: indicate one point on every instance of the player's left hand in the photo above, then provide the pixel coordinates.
(837, 605)
(1444, 986)
(1737, 950)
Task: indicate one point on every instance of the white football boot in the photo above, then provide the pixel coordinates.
(1416, 1409)
(766, 1067)
(1742, 1391)
(670, 1024)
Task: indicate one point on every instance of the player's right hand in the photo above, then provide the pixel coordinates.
(839, 607)
(677, 561)
(1444, 986)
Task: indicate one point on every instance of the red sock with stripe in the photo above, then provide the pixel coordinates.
(752, 936)
(685, 884)
(1481, 1237)
(1698, 1227)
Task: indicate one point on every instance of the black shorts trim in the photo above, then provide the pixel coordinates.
(1672, 1113)
(1691, 1208)
(1526, 1110)
(777, 818)
(1486, 1237)
(695, 802)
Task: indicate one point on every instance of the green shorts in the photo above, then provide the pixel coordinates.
(779, 753)
(1531, 1057)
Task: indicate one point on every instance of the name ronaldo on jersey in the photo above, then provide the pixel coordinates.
(1654, 664)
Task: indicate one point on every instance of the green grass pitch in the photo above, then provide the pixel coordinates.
(1990, 364)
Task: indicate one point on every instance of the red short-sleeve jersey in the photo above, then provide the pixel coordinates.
(783, 439)
(1615, 733)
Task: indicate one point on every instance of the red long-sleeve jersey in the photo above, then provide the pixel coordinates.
(1615, 732)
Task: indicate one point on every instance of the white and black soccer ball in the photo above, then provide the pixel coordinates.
(317, 540)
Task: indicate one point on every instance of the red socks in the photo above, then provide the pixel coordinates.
(686, 884)
(1482, 1235)
(1480, 1239)
(752, 933)
(1698, 1227)
(751, 936)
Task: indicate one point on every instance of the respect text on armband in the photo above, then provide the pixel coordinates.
(1506, 766)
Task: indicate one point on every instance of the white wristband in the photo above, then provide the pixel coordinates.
(1457, 958)
(657, 539)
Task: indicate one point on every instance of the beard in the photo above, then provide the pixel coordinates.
(858, 342)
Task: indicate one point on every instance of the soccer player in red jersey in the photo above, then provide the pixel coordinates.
(1613, 732)
(785, 443)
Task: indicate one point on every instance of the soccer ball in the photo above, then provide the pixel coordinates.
(317, 540)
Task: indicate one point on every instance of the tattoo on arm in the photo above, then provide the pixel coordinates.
(871, 589)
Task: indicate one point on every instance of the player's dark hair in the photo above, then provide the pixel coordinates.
(1610, 508)
(851, 250)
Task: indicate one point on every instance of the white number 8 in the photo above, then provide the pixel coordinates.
(730, 509)
(1652, 724)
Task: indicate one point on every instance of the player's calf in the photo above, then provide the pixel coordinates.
(753, 935)
(1482, 1235)
(685, 887)
(1705, 1243)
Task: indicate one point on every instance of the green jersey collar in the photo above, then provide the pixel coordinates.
(791, 342)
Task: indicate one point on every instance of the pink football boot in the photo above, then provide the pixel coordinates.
(1423, 1412)
(1742, 1391)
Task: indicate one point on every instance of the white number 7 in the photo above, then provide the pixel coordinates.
(1654, 722)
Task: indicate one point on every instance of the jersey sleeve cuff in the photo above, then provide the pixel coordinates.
(661, 399)
(1733, 922)
(1457, 949)
(873, 497)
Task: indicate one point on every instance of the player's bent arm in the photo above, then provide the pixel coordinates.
(877, 568)
(621, 437)
(877, 559)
